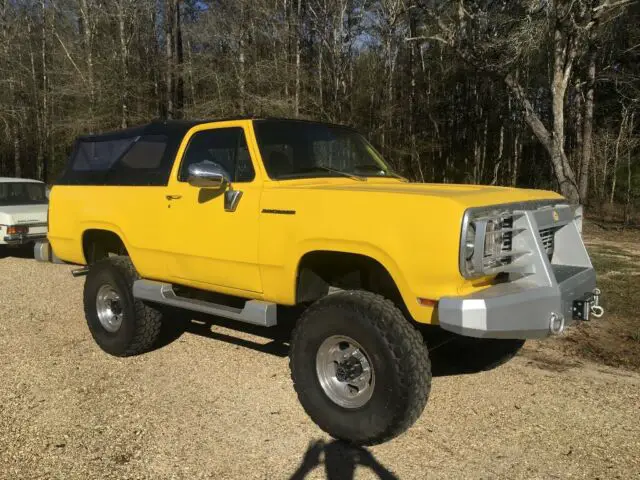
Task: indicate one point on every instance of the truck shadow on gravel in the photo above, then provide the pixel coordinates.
(340, 461)
(16, 252)
(450, 354)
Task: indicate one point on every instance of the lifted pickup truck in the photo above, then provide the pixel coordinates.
(238, 217)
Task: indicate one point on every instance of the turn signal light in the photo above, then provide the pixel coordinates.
(427, 302)
(16, 229)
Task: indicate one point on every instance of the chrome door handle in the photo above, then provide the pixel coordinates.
(173, 197)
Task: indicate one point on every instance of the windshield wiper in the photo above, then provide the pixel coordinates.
(339, 172)
(389, 173)
(396, 175)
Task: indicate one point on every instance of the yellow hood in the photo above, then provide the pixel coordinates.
(465, 195)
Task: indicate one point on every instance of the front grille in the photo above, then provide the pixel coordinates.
(507, 237)
(547, 235)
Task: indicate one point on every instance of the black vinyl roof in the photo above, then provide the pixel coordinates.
(170, 128)
(97, 159)
(176, 129)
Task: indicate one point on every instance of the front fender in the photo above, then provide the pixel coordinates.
(418, 312)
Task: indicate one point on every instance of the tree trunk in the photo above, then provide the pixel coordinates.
(614, 171)
(576, 149)
(178, 58)
(627, 205)
(412, 90)
(169, 57)
(564, 54)
(496, 168)
(320, 85)
(192, 88)
(516, 158)
(587, 126)
(241, 74)
(87, 30)
(605, 170)
(12, 122)
(17, 164)
(287, 36)
(124, 54)
(298, 48)
(41, 166)
(554, 144)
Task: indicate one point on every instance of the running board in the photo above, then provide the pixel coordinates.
(255, 312)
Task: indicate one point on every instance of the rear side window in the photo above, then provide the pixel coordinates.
(146, 153)
(136, 160)
(99, 156)
(225, 146)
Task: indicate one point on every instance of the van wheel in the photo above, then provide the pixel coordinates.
(120, 324)
(360, 369)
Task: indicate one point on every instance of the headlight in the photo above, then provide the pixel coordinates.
(470, 241)
(481, 242)
(493, 238)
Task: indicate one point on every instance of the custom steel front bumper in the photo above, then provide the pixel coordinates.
(541, 296)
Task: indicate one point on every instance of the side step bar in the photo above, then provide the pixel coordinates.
(255, 312)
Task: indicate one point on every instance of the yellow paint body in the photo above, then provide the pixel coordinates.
(412, 229)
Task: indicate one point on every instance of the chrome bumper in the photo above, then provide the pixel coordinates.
(540, 297)
(23, 238)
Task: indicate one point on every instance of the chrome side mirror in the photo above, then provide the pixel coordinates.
(208, 175)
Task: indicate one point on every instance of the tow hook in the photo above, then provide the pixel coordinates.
(596, 310)
(556, 323)
(589, 305)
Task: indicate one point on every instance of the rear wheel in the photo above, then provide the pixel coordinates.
(120, 324)
(360, 369)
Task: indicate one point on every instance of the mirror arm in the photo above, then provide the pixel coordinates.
(231, 199)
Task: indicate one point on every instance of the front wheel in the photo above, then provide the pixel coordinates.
(360, 369)
(120, 324)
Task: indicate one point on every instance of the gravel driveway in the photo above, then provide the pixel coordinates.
(217, 403)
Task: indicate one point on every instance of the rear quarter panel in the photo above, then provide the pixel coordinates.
(133, 213)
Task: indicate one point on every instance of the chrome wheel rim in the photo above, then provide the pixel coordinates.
(109, 308)
(344, 371)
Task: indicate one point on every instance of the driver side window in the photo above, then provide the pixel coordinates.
(224, 146)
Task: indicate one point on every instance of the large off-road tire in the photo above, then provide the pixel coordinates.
(120, 324)
(360, 369)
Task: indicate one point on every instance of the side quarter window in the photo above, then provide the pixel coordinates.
(225, 146)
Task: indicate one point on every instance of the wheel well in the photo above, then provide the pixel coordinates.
(99, 244)
(320, 270)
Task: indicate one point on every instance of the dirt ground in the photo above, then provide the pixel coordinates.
(218, 403)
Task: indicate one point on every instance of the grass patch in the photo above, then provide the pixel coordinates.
(615, 339)
(618, 274)
(607, 260)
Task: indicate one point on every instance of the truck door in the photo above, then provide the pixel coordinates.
(214, 246)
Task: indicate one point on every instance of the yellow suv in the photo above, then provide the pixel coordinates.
(241, 217)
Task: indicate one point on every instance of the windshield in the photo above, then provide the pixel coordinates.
(22, 193)
(294, 149)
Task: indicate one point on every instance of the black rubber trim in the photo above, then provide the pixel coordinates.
(278, 212)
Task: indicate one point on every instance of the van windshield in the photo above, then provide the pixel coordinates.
(22, 193)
